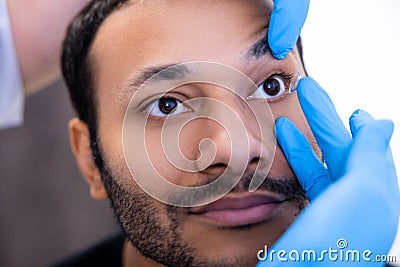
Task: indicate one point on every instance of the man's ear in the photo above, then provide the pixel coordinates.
(80, 143)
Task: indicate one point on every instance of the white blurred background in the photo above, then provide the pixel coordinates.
(352, 49)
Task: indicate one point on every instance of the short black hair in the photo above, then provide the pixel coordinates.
(75, 63)
(76, 67)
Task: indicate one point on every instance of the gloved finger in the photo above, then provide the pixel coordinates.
(358, 119)
(287, 20)
(311, 173)
(369, 152)
(328, 129)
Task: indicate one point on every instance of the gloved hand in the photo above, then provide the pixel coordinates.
(355, 200)
(285, 25)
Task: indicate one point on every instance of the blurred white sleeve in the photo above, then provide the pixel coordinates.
(11, 86)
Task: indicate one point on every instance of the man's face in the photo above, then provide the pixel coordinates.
(145, 34)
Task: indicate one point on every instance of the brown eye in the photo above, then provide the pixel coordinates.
(273, 87)
(166, 106)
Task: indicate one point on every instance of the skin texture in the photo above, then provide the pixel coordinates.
(38, 46)
(144, 34)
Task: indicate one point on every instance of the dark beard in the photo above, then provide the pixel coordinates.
(142, 224)
(162, 243)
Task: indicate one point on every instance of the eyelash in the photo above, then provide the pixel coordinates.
(145, 111)
(287, 78)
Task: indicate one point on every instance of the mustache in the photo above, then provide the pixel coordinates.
(285, 186)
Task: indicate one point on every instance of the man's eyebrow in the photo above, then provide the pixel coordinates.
(179, 71)
(167, 72)
(259, 49)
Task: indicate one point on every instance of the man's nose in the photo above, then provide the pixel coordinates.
(237, 138)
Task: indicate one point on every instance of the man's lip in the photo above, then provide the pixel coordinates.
(239, 209)
(238, 201)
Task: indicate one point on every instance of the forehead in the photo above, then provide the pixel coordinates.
(144, 33)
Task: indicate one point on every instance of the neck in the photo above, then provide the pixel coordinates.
(131, 257)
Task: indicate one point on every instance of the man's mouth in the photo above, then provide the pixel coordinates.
(239, 209)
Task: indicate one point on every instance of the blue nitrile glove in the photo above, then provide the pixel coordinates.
(355, 201)
(285, 25)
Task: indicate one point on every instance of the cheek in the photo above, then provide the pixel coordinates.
(110, 141)
(156, 154)
(110, 137)
(170, 150)
(110, 121)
